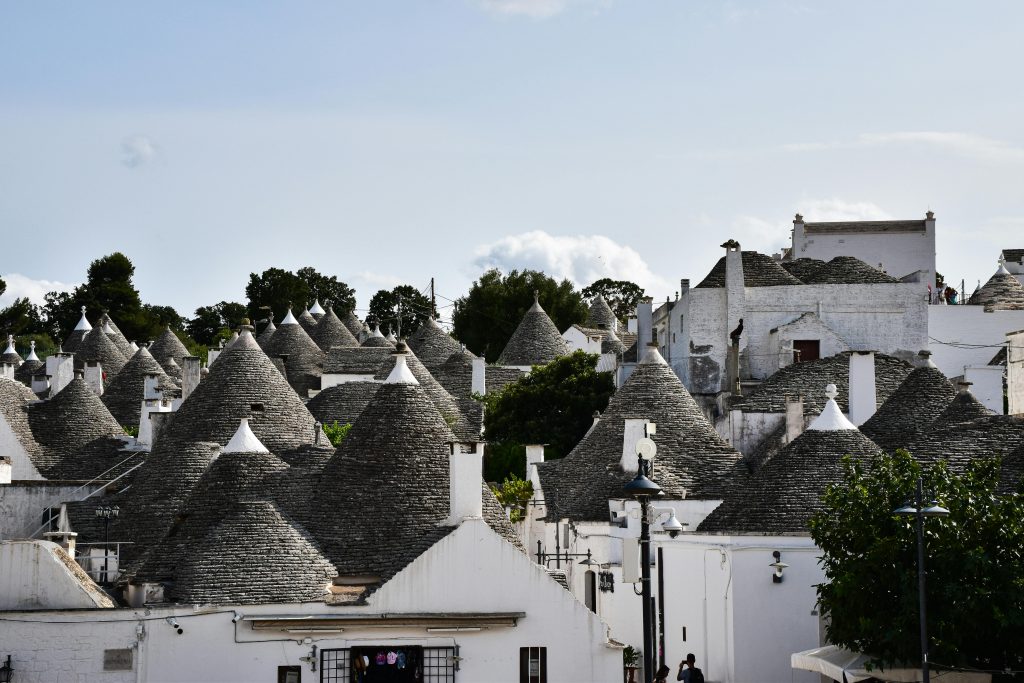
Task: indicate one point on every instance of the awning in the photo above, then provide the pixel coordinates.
(453, 621)
(849, 667)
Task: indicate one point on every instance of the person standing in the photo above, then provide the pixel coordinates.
(691, 674)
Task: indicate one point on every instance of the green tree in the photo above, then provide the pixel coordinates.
(20, 318)
(273, 290)
(975, 562)
(384, 309)
(486, 317)
(514, 493)
(553, 405)
(212, 323)
(622, 296)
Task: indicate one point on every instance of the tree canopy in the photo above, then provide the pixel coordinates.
(273, 290)
(974, 559)
(553, 405)
(486, 317)
(622, 296)
(416, 308)
(212, 323)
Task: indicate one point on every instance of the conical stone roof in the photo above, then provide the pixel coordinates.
(433, 345)
(535, 342)
(10, 355)
(373, 342)
(600, 315)
(915, 405)
(1002, 292)
(331, 331)
(963, 408)
(352, 323)
(396, 451)
(242, 383)
(68, 423)
(342, 403)
(25, 371)
(167, 345)
(307, 321)
(112, 331)
(219, 568)
(174, 372)
(692, 459)
(456, 374)
(14, 398)
(97, 346)
(786, 492)
(75, 338)
(266, 334)
(123, 396)
(305, 360)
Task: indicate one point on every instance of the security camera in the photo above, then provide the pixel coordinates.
(237, 618)
(174, 624)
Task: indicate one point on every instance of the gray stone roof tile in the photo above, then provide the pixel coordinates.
(97, 347)
(910, 410)
(342, 403)
(167, 345)
(352, 323)
(846, 270)
(305, 361)
(535, 342)
(1002, 292)
(360, 360)
(331, 331)
(600, 315)
(432, 345)
(123, 396)
(758, 271)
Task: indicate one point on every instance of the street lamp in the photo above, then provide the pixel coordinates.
(106, 513)
(643, 489)
(919, 512)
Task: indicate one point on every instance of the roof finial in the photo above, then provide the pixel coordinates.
(831, 392)
(32, 351)
(83, 323)
(401, 374)
(831, 418)
(244, 441)
(10, 344)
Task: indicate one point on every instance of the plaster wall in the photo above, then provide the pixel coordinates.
(807, 326)
(891, 318)
(331, 379)
(22, 505)
(41, 575)
(577, 340)
(11, 447)
(746, 431)
(738, 623)
(987, 386)
(1015, 372)
(898, 254)
(968, 335)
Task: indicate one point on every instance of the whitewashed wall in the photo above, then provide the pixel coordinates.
(1015, 372)
(898, 253)
(12, 448)
(952, 327)
(22, 504)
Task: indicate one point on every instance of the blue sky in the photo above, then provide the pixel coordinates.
(390, 141)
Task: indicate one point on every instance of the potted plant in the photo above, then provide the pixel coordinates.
(630, 659)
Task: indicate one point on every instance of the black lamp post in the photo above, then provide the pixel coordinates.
(106, 513)
(919, 512)
(643, 489)
(6, 671)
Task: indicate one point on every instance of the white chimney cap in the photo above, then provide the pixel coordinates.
(376, 331)
(244, 441)
(831, 418)
(316, 309)
(83, 323)
(32, 351)
(401, 374)
(289, 319)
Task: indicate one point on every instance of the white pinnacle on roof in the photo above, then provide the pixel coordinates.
(135, 347)
(401, 374)
(652, 355)
(831, 418)
(377, 332)
(391, 336)
(32, 351)
(316, 309)
(1001, 270)
(83, 324)
(10, 345)
(289, 319)
(244, 441)
(107, 329)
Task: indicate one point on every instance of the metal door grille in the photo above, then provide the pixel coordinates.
(439, 665)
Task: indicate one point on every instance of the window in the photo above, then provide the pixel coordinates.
(393, 663)
(680, 323)
(590, 590)
(805, 350)
(51, 519)
(533, 665)
(289, 674)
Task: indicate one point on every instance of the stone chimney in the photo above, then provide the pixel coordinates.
(190, 375)
(794, 417)
(7, 370)
(61, 369)
(150, 388)
(479, 378)
(863, 398)
(633, 430)
(924, 359)
(94, 376)
(644, 322)
(534, 455)
(735, 288)
(465, 482)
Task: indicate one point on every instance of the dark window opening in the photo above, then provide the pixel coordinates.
(590, 590)
(256, 407)
(533, 665)
(389, 664)
(805, 350)
(289, 674)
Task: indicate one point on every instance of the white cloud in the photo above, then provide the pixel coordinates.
(20, 286)
(836, 209)
(137, 151)
(964, 144)
(536, 9)
(579, 258)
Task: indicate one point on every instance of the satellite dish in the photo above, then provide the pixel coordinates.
(646, 449)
